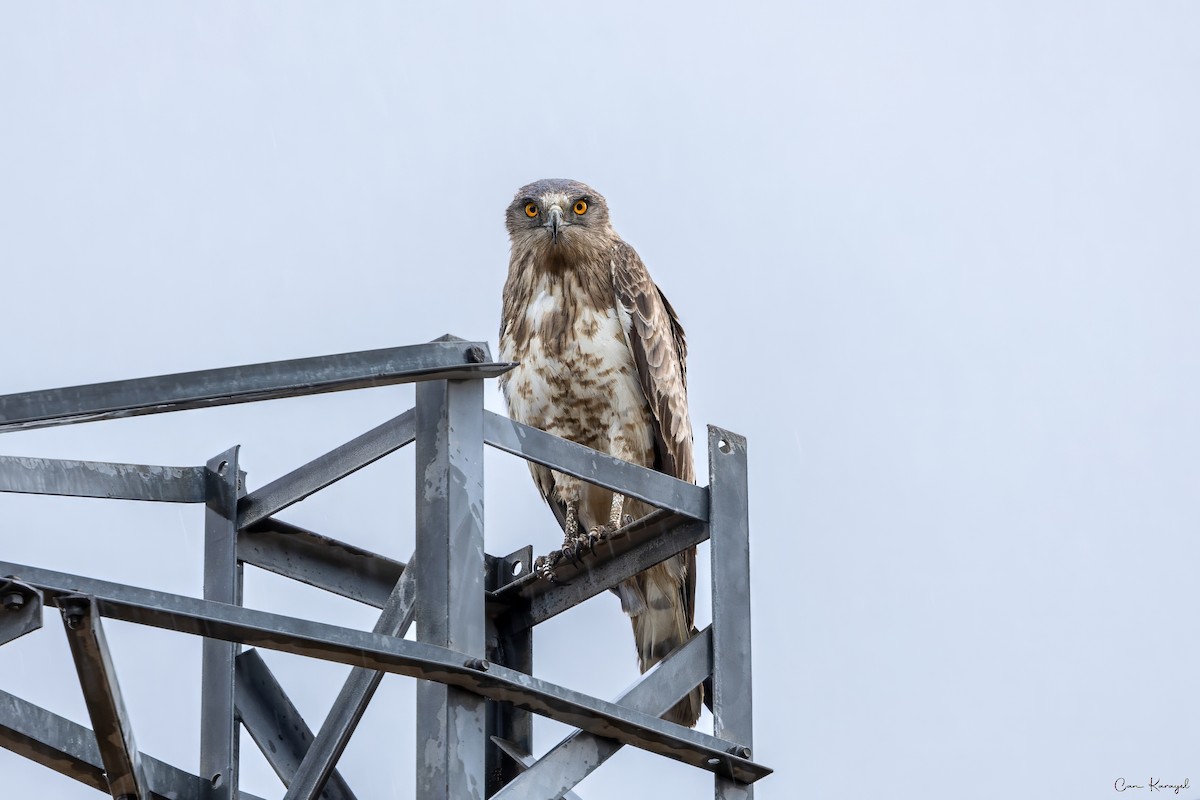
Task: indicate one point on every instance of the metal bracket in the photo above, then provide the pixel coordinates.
(20, 609)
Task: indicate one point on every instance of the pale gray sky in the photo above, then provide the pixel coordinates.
(938, 261)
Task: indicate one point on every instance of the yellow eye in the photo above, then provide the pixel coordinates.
(580, 206)
(531, 209)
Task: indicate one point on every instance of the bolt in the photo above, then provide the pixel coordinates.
(477, 663)
(73, 609)
(739, 750)
(14, 601)
(475, 354)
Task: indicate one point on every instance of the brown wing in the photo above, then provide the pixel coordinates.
(659, 351)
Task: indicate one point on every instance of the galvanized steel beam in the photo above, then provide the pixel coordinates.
(102, 694)
(733, 700)
(247, 384)
(326, 563)
(402, 657)
(450, 584)
(326, 469)
(656, 488)
(275, 725)
(511, 648)
(634, 548)
(329, 564)
(70, 749)
(222, 584)
(101, 479)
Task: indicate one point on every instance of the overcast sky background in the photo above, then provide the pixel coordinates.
(938, 261)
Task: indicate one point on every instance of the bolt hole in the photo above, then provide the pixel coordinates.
(724, 446)
(712, 762)
(216, 780)
(517, 568)
(221, 469)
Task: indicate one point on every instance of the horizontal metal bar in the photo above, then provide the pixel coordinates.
(582, 753)
(636, 547)
(327, 563)
(299, 554)
(70, 749)
(248, 384)
(402, 657)
(327, 469)
(657, 489)
(102, 694)
(272, 720)
(525, 761)
(101, 479)
(352, 700)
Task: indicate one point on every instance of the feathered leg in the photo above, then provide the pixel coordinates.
(616, 518)
(573, 544)
(614, 512)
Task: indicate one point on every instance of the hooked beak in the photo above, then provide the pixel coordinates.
(555, 222)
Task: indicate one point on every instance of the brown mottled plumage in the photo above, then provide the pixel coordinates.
(601, 356)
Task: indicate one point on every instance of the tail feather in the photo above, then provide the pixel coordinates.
(655, 601)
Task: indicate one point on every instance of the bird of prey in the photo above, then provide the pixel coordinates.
(601, 356)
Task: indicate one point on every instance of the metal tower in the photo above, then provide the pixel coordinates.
(474, 612)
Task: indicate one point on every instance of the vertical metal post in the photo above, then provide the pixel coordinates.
(450, 583)
(729, 528)
(223, 583)
(512, 649)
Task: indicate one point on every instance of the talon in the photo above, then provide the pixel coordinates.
(599, 533)
(578, 545)
(543, 566)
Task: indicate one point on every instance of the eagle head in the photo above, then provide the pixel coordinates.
(560, 220)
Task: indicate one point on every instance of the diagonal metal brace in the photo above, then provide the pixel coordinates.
(320, 561)
(70, 749)
(327, 469)
(101, 692)
(524, 761)
(272, 720)
(352, 700)
(581, 753)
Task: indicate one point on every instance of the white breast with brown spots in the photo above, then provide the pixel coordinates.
(577, 380)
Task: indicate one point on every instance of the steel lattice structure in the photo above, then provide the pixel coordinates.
(474, 650)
